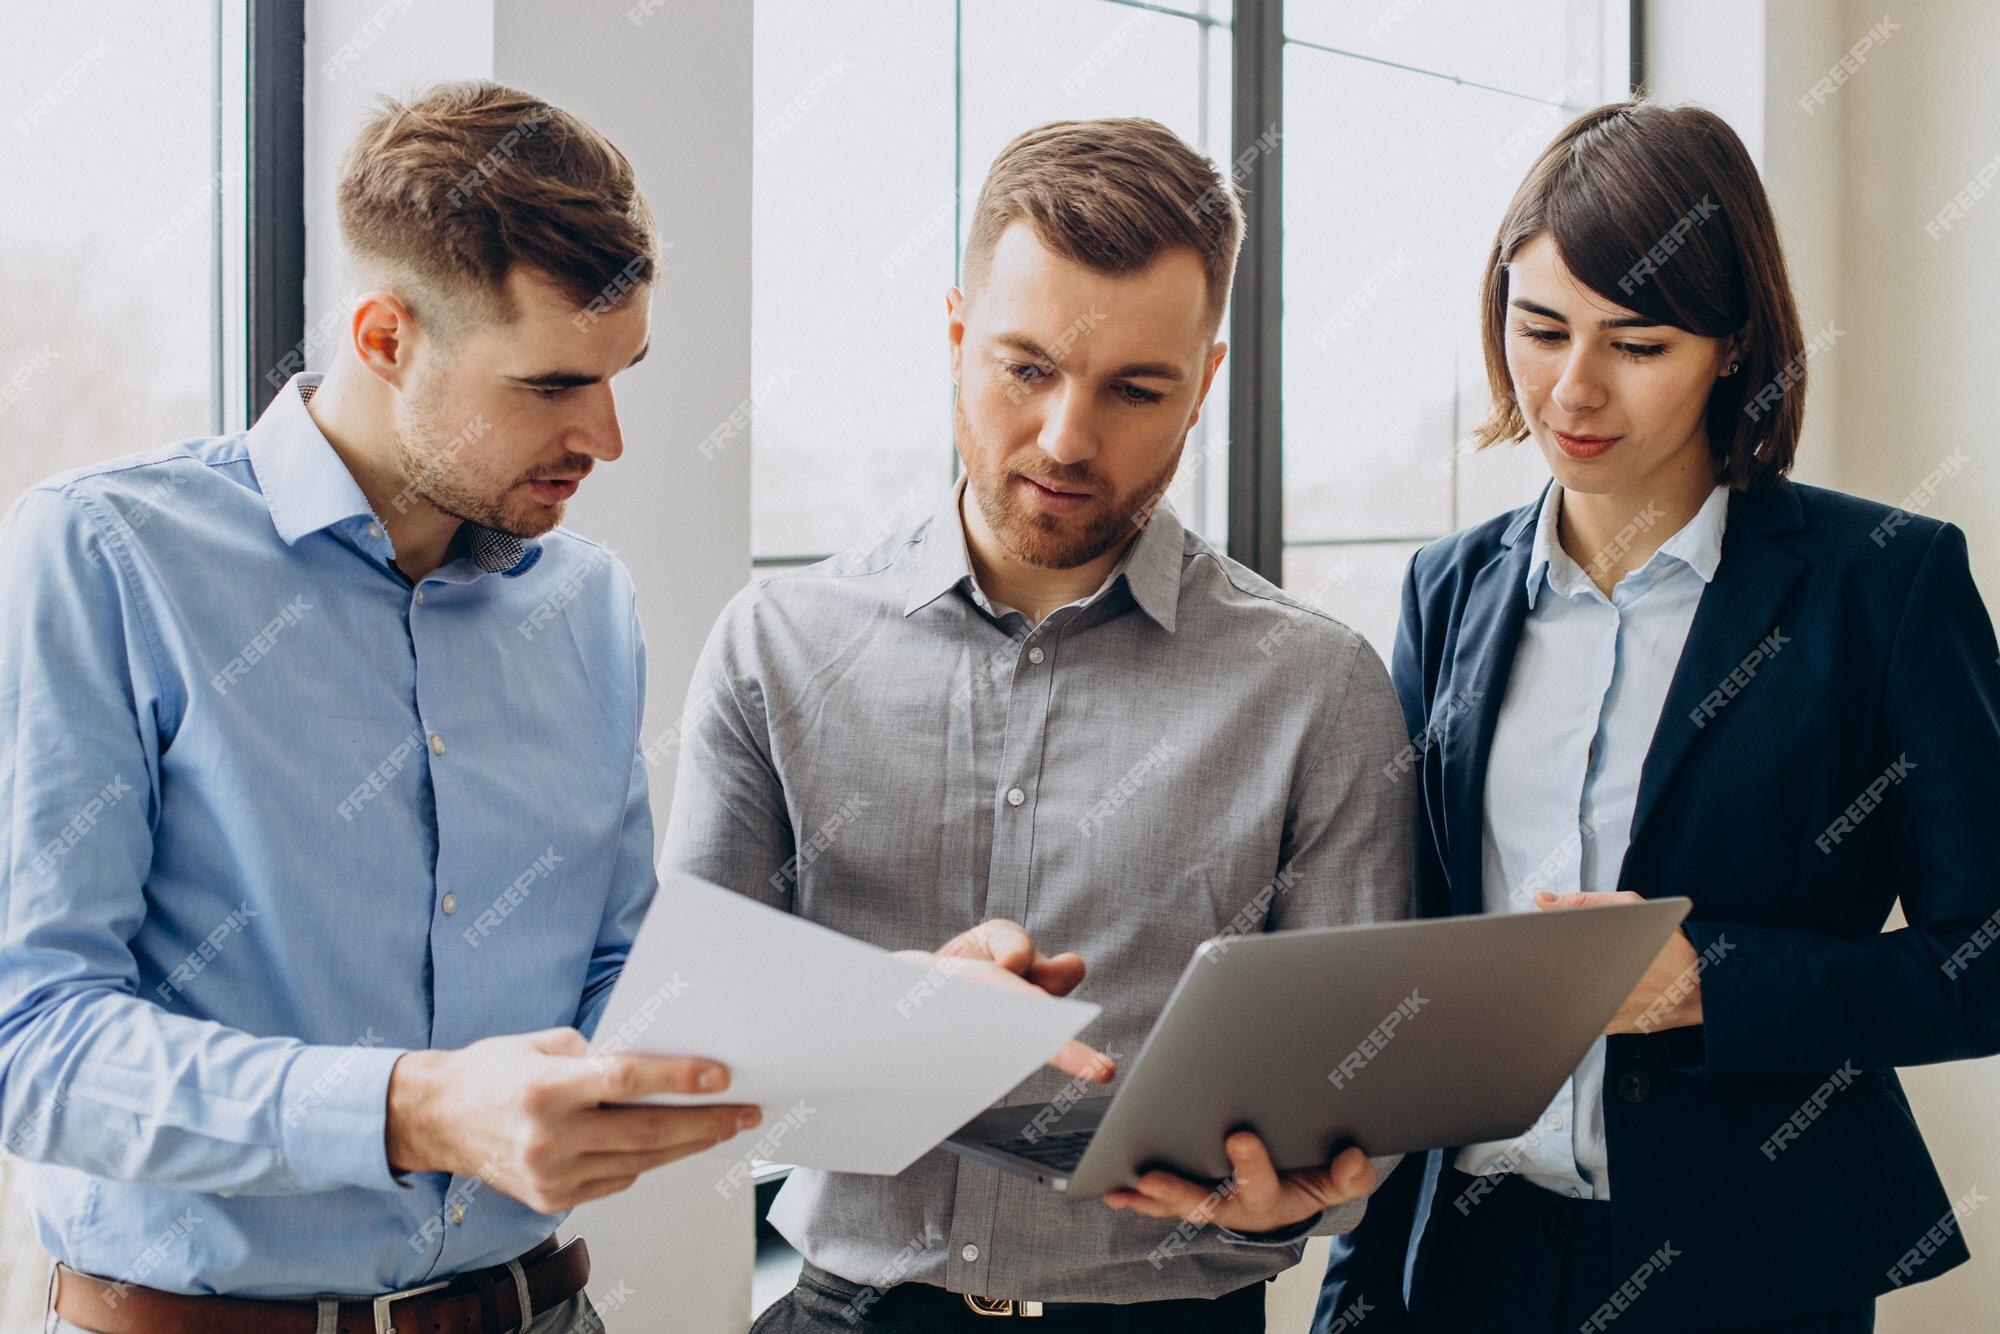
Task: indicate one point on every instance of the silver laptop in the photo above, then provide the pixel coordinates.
(1395, 1036)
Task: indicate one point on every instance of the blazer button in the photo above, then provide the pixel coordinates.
(1555, 1225)
(1634, 1085)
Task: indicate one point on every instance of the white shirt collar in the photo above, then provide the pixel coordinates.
(1698, 544)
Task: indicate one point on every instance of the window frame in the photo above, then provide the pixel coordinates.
(1256, 360)
(274, 280)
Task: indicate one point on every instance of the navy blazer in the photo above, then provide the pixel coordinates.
(1830, 745)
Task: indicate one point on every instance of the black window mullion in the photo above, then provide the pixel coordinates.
(275, 232)
(1256, 494)
(1636, 73)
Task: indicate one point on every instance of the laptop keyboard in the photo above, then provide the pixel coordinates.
(1062, 1152)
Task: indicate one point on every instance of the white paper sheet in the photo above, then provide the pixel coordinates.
(861, 1062)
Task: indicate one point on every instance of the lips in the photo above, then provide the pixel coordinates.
(1053, 499)
(1582, 447)
(554, 490)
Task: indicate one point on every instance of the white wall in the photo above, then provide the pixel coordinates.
(1803, 160)
(1855, 180)
(674, 93)
(1921, 117)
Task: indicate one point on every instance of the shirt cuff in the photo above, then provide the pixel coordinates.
(1282, 1236)
(334, 1115)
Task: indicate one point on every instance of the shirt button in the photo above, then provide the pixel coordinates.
(970, 1253)
(450, 903)
(1555, 1121)
(1575, 1194)
(437, 744)
(420, 597)
(1036, 655)
(375, 530)
(1015, 796)
(457, 1212)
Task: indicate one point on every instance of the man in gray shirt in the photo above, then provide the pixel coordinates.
(1051, 703)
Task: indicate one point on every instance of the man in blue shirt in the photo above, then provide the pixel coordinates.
(326, 825)
(326, 822)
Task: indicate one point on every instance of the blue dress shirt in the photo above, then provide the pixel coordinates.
(274, 816)
(1582, 703)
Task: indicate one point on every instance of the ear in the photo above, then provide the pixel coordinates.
(1735, 350)
(1215, 356)
(384, 336)
(954, 309)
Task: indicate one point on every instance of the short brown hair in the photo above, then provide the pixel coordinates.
(454, 189)
(1110, 195)
(1659, 209)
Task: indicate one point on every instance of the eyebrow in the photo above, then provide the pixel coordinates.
(1138, 370)
(1623, 322)
(572, 379)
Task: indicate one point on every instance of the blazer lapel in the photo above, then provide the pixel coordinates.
(1496, 606)
(1735, 628)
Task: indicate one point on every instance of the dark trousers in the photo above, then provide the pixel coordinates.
(1523, 1260)
(825, 1303)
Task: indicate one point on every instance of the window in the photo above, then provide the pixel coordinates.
(1407, 128)
(1400, 133)
(874, 126)
(139, 204)
(116, 189)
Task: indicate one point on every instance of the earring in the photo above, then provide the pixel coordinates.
(1731, 368)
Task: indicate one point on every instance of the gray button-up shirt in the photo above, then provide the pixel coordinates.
(1188, 752)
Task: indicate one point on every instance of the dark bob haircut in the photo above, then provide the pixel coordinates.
(1660, 210)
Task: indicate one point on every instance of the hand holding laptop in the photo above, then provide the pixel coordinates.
(1258, 1197)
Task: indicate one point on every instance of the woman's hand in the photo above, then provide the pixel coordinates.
(1669, 995)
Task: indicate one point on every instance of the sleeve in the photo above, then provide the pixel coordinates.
(730, 824)
(1346, 854)
(93, 1076)
(633, 881)
(1803, 1002)
(1365, 1267)
(1347, 851)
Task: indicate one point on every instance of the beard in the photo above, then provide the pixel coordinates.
(432, 443)
(1054, 541)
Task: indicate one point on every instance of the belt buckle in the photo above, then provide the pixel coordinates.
(384, 1322)
(1002, 1306)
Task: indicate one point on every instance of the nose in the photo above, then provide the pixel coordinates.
(598, 435)
(1580, 389)
(1067, 433)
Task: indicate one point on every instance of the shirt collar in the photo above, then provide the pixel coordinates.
(308, 489)
(1698, 545)
(1151, 566)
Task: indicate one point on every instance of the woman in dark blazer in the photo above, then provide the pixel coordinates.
(1679, 673)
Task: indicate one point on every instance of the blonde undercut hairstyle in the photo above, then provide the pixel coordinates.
(443, 196)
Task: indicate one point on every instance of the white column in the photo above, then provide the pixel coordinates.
(673, 92)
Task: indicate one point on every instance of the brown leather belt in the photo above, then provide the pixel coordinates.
(482, 1301)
